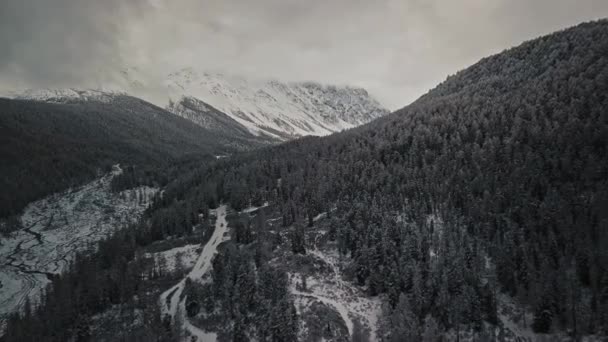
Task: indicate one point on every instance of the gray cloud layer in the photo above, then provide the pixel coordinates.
(397, 49)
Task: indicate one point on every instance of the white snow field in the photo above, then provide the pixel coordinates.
(55, 228)
(171, 301)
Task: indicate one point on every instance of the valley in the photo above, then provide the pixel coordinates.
(58, 227)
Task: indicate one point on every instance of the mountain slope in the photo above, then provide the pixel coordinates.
(206, 116)
(46, 147)
(497, 176)
(278, 110)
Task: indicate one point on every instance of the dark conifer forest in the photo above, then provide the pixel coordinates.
(46, 147)
(503, 166)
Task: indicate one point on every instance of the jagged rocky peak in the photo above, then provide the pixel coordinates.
(281, 110)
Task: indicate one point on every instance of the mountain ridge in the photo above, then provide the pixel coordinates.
(292, 108)
(47, 146)
(269, 109)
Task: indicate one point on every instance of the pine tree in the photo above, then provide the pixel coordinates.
(298, 237)
(543, 317)
(359, 334)
(431, 331)
(418, 298)
(304, 286)
(403, 323)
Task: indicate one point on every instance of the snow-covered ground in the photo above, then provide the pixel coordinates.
(252, 208)
(184, 257)
(347, 299)
(508, 312)
(56, 227)
(171, 301)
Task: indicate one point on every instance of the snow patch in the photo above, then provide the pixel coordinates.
(253, 208)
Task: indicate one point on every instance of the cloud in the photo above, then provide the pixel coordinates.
(398, 49)
(49, 42)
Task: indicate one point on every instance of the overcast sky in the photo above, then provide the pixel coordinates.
(397, 49)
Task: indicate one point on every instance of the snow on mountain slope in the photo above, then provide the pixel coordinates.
(203, 114)
(276, 109)
(66, 95)
(267, 109)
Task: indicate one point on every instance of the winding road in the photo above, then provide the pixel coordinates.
(173, 303)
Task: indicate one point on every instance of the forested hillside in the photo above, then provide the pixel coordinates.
(494, 183)
(46, 147)
(509, 156)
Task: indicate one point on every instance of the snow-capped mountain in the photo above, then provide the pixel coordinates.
(272, 108)
(207, 116)
(66, 95)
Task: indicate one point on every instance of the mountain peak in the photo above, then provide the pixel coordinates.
(278, 109)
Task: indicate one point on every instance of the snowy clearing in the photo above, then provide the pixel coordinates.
(347, 299)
